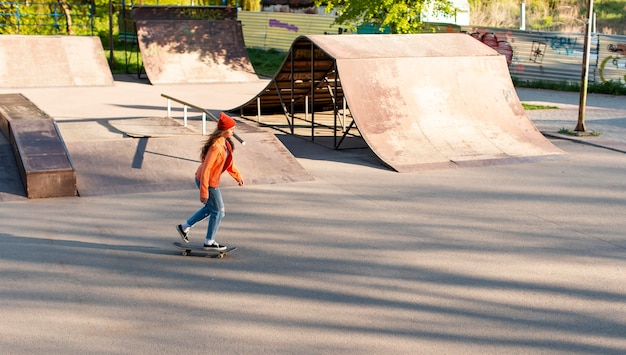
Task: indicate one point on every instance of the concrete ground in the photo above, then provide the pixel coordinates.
(524, 258)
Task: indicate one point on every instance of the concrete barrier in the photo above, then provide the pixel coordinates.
(42, 158)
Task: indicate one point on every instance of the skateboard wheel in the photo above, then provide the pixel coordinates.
(220, 255)
(186, 252)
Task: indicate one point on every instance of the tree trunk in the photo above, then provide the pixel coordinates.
(68, 17)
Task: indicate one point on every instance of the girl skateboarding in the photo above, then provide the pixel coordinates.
(216, 157)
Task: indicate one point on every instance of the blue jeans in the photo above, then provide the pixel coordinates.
(214, 209)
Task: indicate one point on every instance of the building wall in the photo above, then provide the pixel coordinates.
(278, 30)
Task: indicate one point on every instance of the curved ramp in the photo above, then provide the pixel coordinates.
(194, 51)
(419, 101)
(52, 61)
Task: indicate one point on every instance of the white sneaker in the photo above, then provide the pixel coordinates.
(214, 246)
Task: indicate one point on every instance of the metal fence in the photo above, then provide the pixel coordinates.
(44, 18)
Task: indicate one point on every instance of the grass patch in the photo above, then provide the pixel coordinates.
(125, 60)
(578, 134)
(530, 107)
(607, 87)
(266, 62)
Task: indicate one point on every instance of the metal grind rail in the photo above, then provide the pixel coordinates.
(204, 112)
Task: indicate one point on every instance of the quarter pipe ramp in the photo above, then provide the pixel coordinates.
(52, 61)
(419, 101)
(193, 51)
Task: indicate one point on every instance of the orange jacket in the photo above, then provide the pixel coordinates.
(214, 164)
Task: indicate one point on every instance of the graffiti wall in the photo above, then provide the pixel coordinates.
(276, 30)
(612, 58)
(557, 56)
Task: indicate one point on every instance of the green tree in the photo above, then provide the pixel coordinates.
(401, 16)
(46, 17)
(250, 5)
(68, 17)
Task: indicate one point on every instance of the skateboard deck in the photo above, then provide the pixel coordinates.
(188, 249)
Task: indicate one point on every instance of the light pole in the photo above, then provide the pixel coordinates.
(111, 58)
(584, 77)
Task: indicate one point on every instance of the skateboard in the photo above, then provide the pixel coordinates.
(187, 249)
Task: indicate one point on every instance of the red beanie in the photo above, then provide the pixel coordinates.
(225, 122)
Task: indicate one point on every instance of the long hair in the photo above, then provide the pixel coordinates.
(212, 138)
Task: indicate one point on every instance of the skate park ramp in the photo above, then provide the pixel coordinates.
(52, 61)
(122, 140)
(108, 162)
(419, 101)
(168, 163)
(193, 51)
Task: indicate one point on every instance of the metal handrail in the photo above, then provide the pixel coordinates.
(204, 111)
